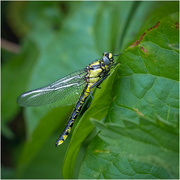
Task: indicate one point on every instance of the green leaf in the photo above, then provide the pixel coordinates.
(146, 87)
(164, 9)
(43, 131)
(155, 143)
(61, 37)
(13, 83)
(24, 17)
(148, 77)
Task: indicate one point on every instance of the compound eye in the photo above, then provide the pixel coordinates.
(106, 60)
(106, 54)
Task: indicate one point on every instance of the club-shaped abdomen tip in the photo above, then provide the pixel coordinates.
(61, 140)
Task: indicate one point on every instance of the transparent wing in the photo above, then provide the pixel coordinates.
(64, 91)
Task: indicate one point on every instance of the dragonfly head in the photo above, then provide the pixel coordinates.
(107, 58)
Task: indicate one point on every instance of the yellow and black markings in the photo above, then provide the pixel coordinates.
(79, 83)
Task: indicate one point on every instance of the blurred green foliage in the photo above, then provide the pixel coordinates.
(57, 38)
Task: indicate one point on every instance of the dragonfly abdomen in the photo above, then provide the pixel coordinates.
(73, 116)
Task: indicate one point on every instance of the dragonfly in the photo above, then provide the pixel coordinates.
(74, 88)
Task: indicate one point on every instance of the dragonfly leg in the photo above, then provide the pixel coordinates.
(91, 93)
